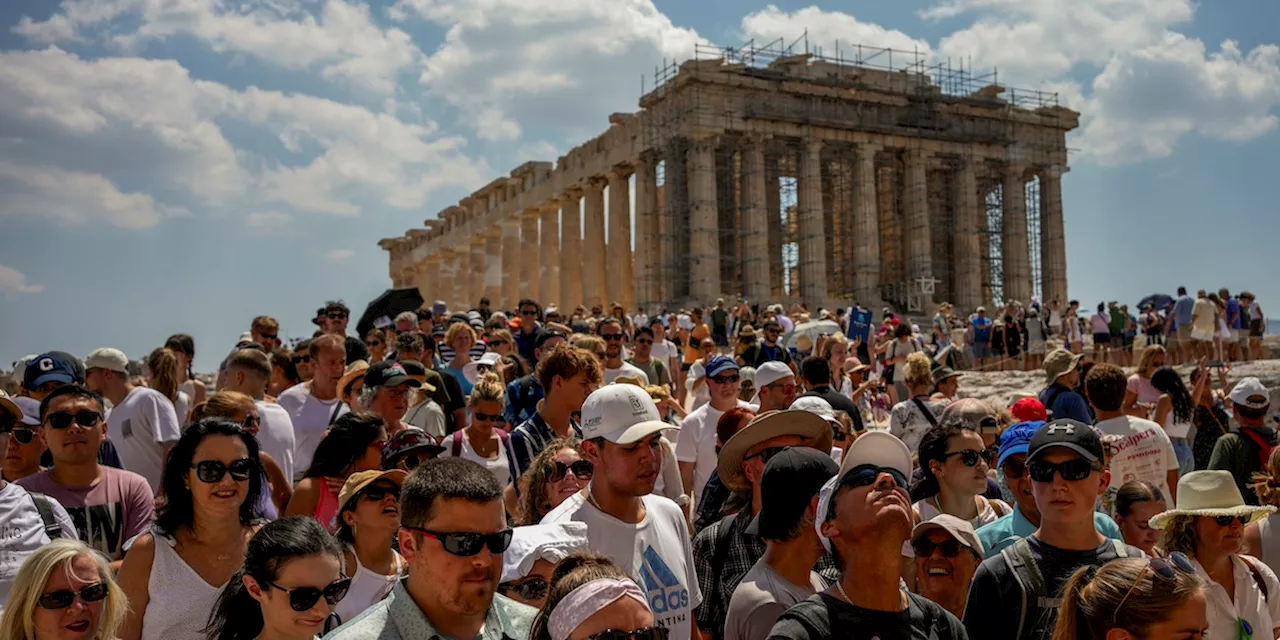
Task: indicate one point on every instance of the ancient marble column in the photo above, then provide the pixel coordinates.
(529, 250)
(444, 278)
(511, 255)
(646, 240)
(866, 226)
(967, 242)
(1053, 237)
(571, 249)
(917, 232)
(493, 264)
(1017, 253)
(755, 224)
(549, 287)
(427, 279)
(619, 273)
(704, 226)
(476, 269)
(813, 260)
(593, 264)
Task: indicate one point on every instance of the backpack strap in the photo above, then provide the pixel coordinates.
(456, 448)
(719, 554)
(1257, 577)
(928, 415)
(45, 507)
(505, 439)
(1122, 549)
(1030, 581)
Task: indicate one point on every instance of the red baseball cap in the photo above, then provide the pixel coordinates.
(1028, 410)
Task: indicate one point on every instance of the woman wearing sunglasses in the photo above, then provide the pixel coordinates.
(592, 599)
(377, 345)
(354, 443)
(534, 553)
(555, 474)
(484, 441)
(289, 585)
(64, 591)
(367, 526)
(1135, 599)
(1207, 524)
(212, 484)
(242, 410)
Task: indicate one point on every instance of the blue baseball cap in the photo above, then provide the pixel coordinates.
(1017, 439)
(720, 364)
(48, 367)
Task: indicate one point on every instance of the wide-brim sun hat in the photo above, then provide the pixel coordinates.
(9, 406)
(354, 370)
(1059, 363)
(471, 370)
(1209, 494)
(815, 431)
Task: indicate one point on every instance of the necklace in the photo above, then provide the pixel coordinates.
(842, 593)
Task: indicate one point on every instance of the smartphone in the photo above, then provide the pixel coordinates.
(1214, 364)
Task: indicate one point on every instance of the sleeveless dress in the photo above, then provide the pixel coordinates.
(180, 599)
(367, 587)
(1269, 529)
(327, 508)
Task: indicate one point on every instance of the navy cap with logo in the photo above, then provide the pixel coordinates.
(48, 367)
(388, 373)
(1068, 434)
(720, 364)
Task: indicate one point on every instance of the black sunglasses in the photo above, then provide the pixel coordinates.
(611, 337)
(1226, 521)
(55, 600)
(866, 474)
(970, 457)
(1070, 470)
(62, 419)
(583, 469)
(767, 454)
(211, 471)
(924, 548)
(467, 544)
(22, 435)
(485, 417)
(729, 379)
(1166, 569)
(337, 316)
(648, 633)
(269, 336)
(534, 588)
(303, 598)
(306, 358)
(644, 341)
(377, 493)
(1014, 469)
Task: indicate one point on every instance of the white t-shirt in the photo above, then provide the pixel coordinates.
(182, 407)
(311, 418)
(656, 552)
(497, 465)
(22, 532)
(275, 435)
(627, 369)
(1223, 614)
(665, 351)
(697, 443)
(427, 416)
(138, 427)
(1142, 451)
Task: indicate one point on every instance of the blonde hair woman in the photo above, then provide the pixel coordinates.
(1133, 598)
(1140, 397)
(64, 591)
(165, 376)
(911, 418)
(460, 337)
(484, 441)
(1262, 538)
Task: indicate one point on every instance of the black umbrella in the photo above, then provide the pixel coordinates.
(390, 304)
(1158, 301)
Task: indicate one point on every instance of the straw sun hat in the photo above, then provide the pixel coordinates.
(1209, 494)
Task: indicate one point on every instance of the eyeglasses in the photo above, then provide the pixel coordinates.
(62, 419)
(866, 474)
(611, 337)
(377, 493)
(970, 457)
(303, 598)
(476, 416)
(1226, 521)
(648, 633)
(534, 588)
(729, 379)
(767, 454)
(211, 471)
(21, 434)
(1166, 569)
(1070, 470)
(924, 548)
(529, 312)
(64, 598)
(466, 544)
(582, 469)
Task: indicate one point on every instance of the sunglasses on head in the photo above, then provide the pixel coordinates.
(970, 457)
(924, 548)
(64, 598)
(865, 475)
(648, 633)
(62, 419)
(1166, 569)
(211, 471)
(303, 598)
(1070, 470)
(1226, 521)
(583, 469)
(535, 588)
(725, 379)
(466, 544)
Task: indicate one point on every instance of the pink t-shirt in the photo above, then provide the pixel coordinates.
(109, 513)
(1147, 394)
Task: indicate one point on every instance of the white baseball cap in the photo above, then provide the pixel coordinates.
(880, 448)
(1250, 392)
(621, 414)
(109, 359)
(767, 374)
(814, 404)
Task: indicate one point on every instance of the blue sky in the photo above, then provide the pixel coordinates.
(183, 166)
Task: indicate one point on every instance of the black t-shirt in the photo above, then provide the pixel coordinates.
(993, 609)
(839, 403)
(760, 353)
(825, 617)
(356, 350)
(720, 319)
(456, 401)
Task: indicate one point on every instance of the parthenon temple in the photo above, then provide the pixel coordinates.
(768, 175)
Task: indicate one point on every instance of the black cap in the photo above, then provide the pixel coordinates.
(547, 333)
(1068, 434)
(388, 373)
(791, 478)
(414, 368)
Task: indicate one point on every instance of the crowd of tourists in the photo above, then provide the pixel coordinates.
(590, 474)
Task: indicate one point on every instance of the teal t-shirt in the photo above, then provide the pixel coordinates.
(1014, 527)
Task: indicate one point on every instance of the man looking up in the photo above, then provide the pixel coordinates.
(247, 372)
(146, 422)
(610, 330)
(1243, 449)
(314, 405)
(696, 449)
(569, 375)
(776, 387)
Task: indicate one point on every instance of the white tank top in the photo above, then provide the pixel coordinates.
(180, 599)
(367, 587)
(1270, 552)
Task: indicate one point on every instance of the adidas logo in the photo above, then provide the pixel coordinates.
(661, 585)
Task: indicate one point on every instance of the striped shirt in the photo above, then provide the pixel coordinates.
(531, 437)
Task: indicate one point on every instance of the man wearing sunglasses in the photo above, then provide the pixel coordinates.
(696, 450)
(146, 423)
(453, 532)
(643, 533)
(1015, 593)
(108, 506)
(776, 387)
(21, 457)
(336, 317)
(864, 516)
(768, 349)
(527, 337)
(655, 369)
(610, 330)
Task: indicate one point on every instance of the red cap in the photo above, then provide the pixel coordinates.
(1028, 410)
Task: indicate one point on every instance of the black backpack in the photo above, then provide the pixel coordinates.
(45, 506)
(1036, 598)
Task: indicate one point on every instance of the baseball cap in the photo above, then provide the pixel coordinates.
(48, 367)
(720, 364)
(767, 374)
(1017, 438)
(816, 405)
(1028, 409)
(418, 371)
(1250, 393)
(959, 529)
(545, 334)
(77, 367)
(973, 413)
(880, 448)
(407, 440)
(30, 408)
(1067, 434)
(109, 359)
(439, 308)
(388, 373)
(790, 479)
(359, 480)
(621, 414)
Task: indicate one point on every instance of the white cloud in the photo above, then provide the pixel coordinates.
(339, 254)
(833, 31)
(73, 198)
(268, 220)
(12, 282)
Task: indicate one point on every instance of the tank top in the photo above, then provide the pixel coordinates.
(180, 599)
(367, 587)
(327, 508)
(1270, 552)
